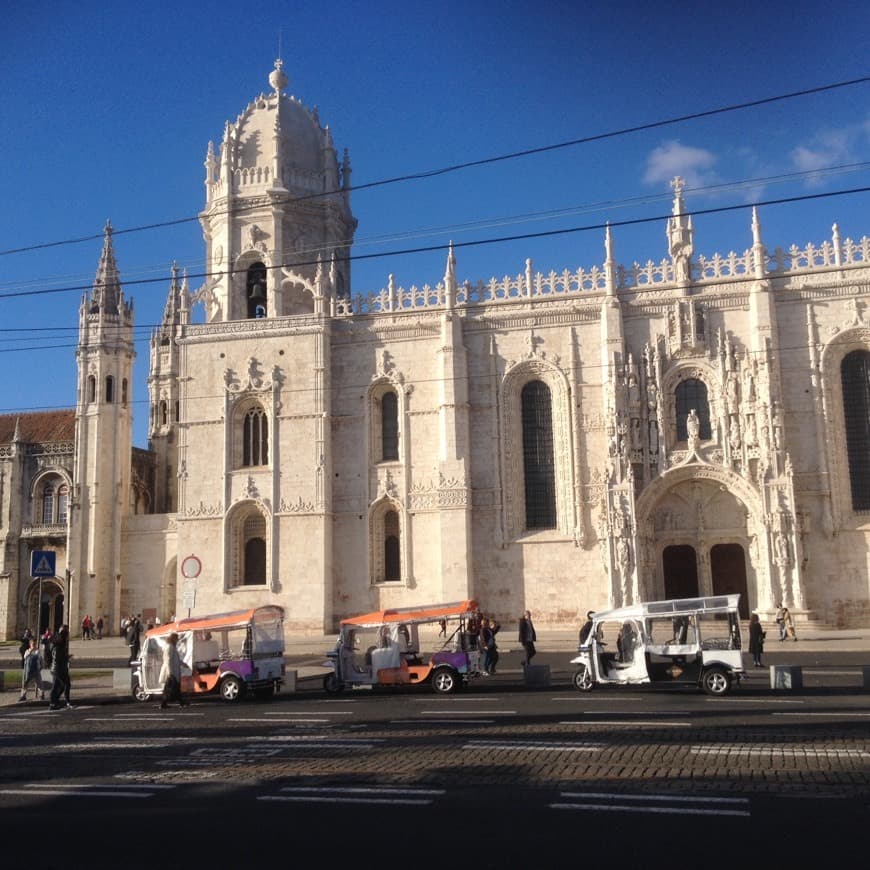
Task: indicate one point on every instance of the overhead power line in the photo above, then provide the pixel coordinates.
(475, 243)
(470, 164)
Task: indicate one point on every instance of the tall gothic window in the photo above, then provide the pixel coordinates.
(389, 427)
(110, 389)
(392, 562)
(692, 394)
(62, 503)
(92, 388)
(254, 571)
(855, 376)
(255, 438)
(538, 464)
(52, 502)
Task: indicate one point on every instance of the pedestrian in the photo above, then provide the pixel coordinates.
(60, 659)
(587, 628)
(756, 640)
(489, 629)
(170, 673)
(47, 638)
(786, 623)
(99, 628)
(527, 637)
(134, 631)
(25, 644)
(32, 672)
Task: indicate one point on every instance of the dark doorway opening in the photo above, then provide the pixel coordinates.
(680, 568)
(728, 566)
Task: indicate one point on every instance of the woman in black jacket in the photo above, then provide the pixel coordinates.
(756, 640)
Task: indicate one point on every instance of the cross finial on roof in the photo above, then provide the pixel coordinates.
(678, 184)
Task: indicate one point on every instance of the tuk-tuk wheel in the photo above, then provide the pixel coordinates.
(582, 680)
(139, 693)
(332, 684)
(716, 681)
(445, 681)
(231, 688)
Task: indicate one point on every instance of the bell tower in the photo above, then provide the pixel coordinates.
(277, 202)
(101, 487)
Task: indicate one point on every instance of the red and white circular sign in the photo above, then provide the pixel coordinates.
(191, 567)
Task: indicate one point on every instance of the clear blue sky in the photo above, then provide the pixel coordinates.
(107, 110)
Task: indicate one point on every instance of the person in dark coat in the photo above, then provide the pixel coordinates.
(756, 640)
(134, 632)
(60, 669)
(587, 627)
(527, 637)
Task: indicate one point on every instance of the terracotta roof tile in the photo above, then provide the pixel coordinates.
(39, 426)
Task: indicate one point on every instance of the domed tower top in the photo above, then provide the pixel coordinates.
(277, 201)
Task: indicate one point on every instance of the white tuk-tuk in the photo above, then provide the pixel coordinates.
(229, 654)
(679, 641)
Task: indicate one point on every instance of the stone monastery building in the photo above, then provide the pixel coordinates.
(558, 442)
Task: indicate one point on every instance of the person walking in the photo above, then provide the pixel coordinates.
(488, 632)
(756, 640)
(170, 673)
(134, 631)
(788, 624)
(60, 659)
(32, 672)
(99, 628)
(527, 637)
(24, 646)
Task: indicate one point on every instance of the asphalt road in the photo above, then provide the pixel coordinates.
(498, 775)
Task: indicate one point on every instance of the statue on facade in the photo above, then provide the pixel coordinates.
(693, 427)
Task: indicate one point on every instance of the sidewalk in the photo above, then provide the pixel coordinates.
(306, 654)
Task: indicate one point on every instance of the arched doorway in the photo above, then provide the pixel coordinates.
(680, 570)
(728, 567)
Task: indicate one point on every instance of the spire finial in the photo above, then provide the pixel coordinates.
(278, 78)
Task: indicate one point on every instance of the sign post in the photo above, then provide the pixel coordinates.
(43, 563)
(191, 568)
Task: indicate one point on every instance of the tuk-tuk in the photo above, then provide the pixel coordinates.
(385, 648)
(689, 641)
(228, 654)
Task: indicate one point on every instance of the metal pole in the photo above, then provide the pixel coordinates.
(39, 611)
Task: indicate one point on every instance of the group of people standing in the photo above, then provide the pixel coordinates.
(485, 629)
(56, 657)
(757, 634)
(92, 629)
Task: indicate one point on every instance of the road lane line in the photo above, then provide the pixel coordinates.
(627, 808)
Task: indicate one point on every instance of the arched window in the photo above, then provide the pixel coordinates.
(855, 377)
(256, 290)
(62, 503)
(255, 438)
(692, 394)
(176, 411)
(124, 391)
(48, 504)
(254, 568)
(539, 469)
(392, 561)
(110, 389)
(92, 388)
(163, 414)
(389, 427)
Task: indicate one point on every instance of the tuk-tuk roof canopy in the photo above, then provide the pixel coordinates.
(215, 621)
(671, 607)
(425, 613)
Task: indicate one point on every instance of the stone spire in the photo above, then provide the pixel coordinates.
(107, 295)
(680, 235)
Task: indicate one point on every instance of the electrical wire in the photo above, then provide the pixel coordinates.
(485, 161)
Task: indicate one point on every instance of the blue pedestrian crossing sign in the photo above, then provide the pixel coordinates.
(43, 563)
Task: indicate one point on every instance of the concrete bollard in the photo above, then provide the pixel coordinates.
(537, 676)
(289, 684)
(787, 677)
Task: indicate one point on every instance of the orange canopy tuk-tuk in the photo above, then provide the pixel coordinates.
(392, 648)
(229, 654)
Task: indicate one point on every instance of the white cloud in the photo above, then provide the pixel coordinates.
(672, 158)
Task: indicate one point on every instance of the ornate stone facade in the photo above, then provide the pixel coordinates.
(559, 442)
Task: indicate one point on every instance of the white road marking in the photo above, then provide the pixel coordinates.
(589, 723)
(442, 721)
(470, 712)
